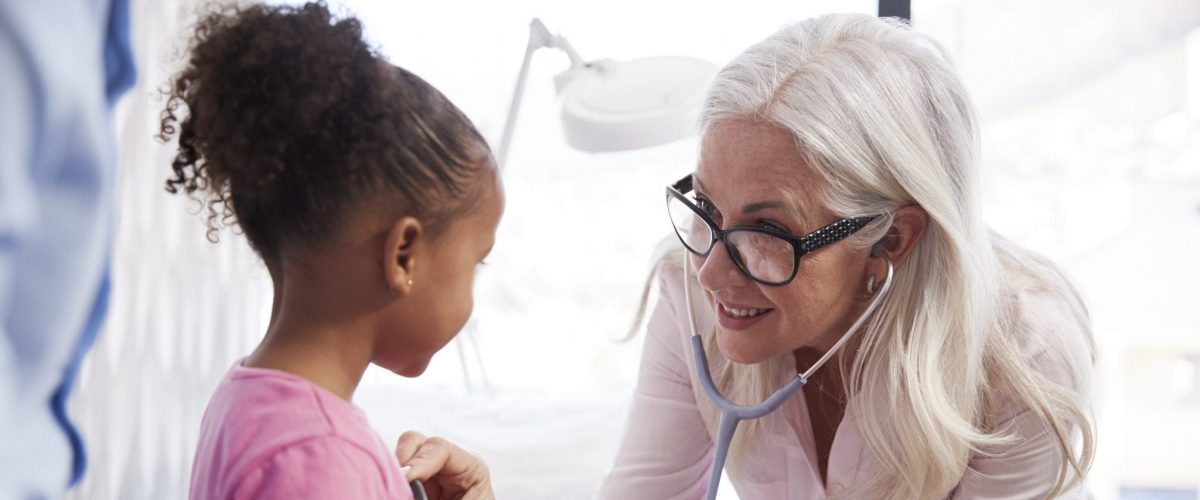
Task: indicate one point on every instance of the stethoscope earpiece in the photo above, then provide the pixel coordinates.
(877, 250)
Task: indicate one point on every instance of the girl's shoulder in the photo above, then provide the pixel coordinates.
(263, 423)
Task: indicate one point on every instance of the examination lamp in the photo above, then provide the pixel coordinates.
(609, 105)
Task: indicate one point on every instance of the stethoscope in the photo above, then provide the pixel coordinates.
(732, 414)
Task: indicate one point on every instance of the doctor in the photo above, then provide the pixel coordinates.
(834, 152)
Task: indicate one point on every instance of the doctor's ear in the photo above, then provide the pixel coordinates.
(401, 246)
(908, 224)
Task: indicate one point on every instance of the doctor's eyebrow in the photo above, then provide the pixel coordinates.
(752, 207)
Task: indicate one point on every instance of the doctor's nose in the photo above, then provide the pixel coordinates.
(717, 270)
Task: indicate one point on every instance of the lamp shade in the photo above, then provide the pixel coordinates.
(619, 105)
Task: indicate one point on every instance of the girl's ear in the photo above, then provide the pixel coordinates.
(399, 261)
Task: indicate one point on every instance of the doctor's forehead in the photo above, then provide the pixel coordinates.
(754, 159)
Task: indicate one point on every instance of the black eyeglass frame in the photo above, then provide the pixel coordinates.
(801, 245)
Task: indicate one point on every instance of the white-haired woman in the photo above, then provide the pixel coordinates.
(970, 379)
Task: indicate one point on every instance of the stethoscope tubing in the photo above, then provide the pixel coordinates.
(732, 414)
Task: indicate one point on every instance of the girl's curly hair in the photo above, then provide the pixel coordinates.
(290, 122)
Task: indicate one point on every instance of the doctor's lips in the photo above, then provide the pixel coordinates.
(740, 317)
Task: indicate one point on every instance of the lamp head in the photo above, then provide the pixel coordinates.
(612, 105)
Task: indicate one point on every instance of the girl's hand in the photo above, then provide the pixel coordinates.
(448, 472)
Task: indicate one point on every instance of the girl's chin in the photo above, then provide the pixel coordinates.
(411, 369)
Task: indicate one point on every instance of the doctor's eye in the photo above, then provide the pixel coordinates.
(707, 207)
(774, 226)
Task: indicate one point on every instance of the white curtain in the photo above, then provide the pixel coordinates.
(181, 309)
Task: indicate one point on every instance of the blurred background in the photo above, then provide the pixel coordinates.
(1091, 114)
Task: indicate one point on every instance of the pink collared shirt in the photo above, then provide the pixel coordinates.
(667, 450)
(267, 434)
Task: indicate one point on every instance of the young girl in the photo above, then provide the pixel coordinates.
(371, 199)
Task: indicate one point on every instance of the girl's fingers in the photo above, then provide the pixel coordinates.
(484, 492)
(407, 446)
(434, 490)
(436, 456)
(443, 467)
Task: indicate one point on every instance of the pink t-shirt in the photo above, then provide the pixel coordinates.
(269, 434)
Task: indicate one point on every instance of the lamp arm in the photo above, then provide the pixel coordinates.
(539, 37)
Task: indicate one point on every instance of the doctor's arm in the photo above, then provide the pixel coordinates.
(1029, 466)
(1026, 469)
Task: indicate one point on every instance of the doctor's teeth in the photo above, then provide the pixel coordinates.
(744, 313)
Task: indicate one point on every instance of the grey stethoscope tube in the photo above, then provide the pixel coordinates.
(732, 414)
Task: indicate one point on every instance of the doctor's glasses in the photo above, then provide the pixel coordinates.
(768, 256)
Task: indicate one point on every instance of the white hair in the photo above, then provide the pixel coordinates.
(878, 111)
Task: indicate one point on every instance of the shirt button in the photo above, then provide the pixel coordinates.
(836, 489)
